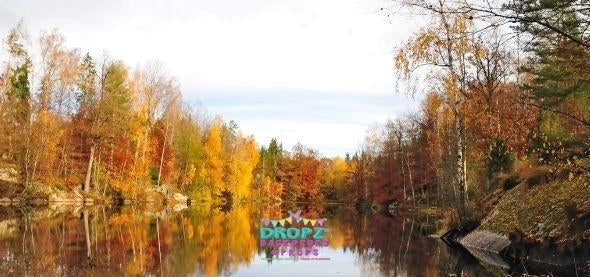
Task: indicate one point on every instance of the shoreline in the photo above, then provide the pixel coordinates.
(513, 253)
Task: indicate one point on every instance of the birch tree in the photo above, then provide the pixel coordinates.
(438, 53)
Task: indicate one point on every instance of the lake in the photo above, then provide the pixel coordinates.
(207, 240)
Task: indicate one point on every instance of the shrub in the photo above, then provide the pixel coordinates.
(499, 159)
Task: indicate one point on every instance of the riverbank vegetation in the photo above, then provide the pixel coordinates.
(502, 136)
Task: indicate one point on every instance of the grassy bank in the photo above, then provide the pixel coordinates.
(557, 211)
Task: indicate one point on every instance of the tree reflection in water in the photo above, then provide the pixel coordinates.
(204, 240)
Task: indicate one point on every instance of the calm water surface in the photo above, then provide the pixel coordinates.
(204, 240)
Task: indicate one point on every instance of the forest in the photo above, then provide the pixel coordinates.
(98, 127)
(505, 118)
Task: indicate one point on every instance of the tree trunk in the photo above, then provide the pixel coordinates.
(89, 171)
(456, 106)
(87, 232)
(26, 161)
(460, 172)
(401, 158)
(35, 163)
(162, 155)
(366, 187)
(159, 247)
(410, 178)
(404, 178)
(466, 184)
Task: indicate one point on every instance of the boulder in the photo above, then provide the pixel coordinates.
(62, 196)
(179, 207)
(486, 246)
(178, 197)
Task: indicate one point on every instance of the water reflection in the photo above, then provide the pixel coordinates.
(204, 240)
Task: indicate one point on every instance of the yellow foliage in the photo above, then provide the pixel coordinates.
(124, 187)
(46, 134)
(242, 164)
(212, 170)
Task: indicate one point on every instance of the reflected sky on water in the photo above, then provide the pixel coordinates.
(205, 240)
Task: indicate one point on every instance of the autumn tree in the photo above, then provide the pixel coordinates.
(189, 151)
(268, 171)
(16, 112)
(360, 177)
(212, 170)
(56, 102)
(112, 122)
(333, 178)
(541, 19)
(156, 99)
(86, 118)
(242, 162)
(308, 170)
(443, 46)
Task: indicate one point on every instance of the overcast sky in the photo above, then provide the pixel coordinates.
(315, 71)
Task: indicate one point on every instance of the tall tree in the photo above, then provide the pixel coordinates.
(443, 46)
(86, 118)
(212, 170)
(17, 104)
(189, 150)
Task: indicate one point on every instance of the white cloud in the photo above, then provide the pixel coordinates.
(334, 122)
